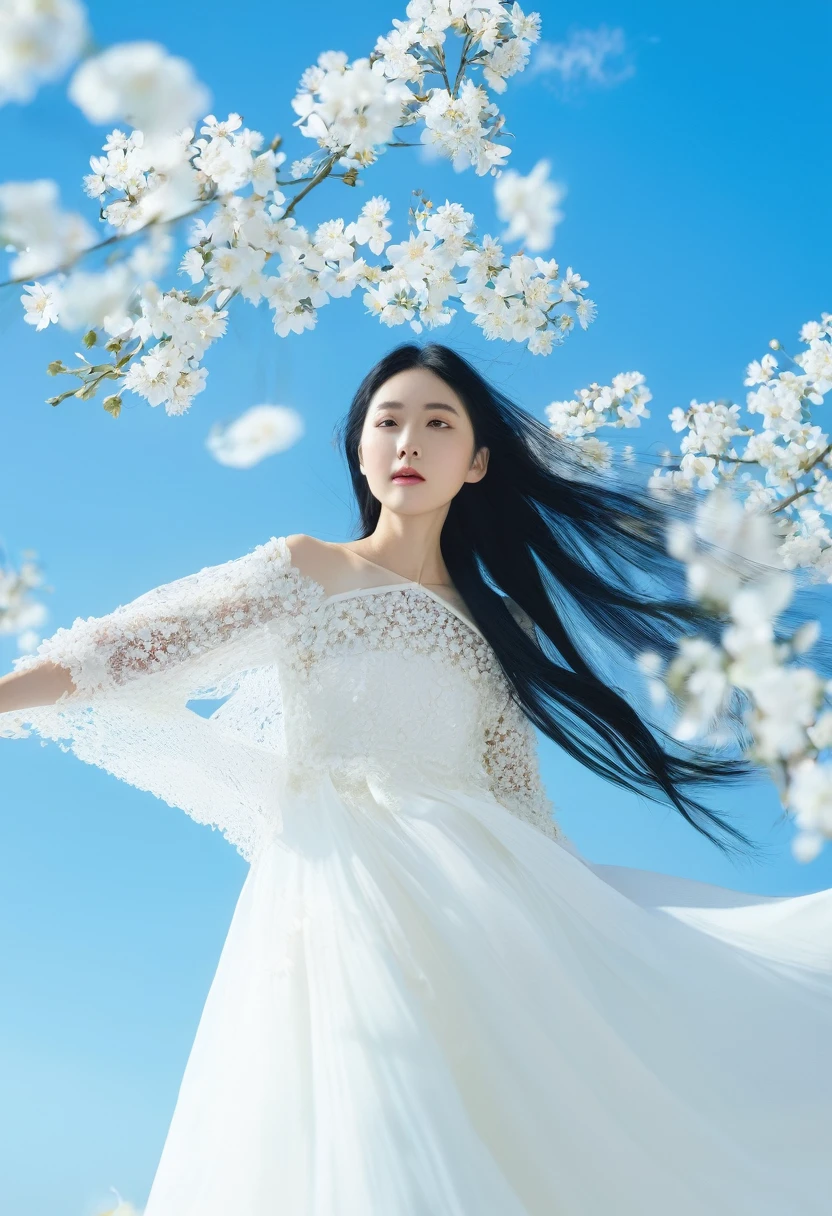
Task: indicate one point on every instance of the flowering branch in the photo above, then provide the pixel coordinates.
(783, 468)
(785, 704)
(250, 243)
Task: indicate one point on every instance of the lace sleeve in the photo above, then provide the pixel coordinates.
(186, 625)
(214, 634)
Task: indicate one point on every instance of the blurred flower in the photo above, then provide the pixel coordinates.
(32, 223)
(529, 206)
(20, 612)
(39, 39)
(261, 431)
(139, 82)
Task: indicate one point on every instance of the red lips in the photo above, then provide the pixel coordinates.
(407, 471)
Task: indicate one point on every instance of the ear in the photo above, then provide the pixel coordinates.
(479, 465)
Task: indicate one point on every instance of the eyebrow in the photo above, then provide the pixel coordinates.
(433, 405)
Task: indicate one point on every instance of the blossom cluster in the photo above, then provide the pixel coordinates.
(248, 242)
(783, 464)
(762, 516)
(778, 457)
(734, 565)
(620, 404)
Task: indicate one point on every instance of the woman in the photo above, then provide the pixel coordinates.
(428, 1004)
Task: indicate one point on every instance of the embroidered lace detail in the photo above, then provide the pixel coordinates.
(409, 621)
(511, 761)
(394, 618)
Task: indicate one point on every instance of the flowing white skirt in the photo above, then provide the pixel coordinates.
(438, 1011)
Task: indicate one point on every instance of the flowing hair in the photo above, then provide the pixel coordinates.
(573, 549)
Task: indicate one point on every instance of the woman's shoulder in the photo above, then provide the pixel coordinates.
(320, 560)
(302, 547)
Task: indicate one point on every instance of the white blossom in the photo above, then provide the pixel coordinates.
(261, 431)
(41, 305)
(193, 265)
(140, 82)
(461, 127)
(505, 60)
(302, 167)
(372, 226)
(238, 267)
(39, 39)
(165, 376)
(173, 315)
(817, 364)
(352, 109)
(227, 160)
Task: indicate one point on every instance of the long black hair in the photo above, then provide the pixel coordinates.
(571, 550)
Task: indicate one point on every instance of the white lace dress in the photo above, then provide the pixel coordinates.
(428, 1003)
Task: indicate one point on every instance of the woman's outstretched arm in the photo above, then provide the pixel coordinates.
(41, 685)
(179, 625)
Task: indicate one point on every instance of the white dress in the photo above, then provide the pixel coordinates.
(428, 1003)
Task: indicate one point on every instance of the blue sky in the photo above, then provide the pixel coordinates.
(697, 207)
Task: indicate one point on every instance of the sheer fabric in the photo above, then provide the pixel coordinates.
(428, 1003)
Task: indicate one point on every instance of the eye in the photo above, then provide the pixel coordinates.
(441, 422)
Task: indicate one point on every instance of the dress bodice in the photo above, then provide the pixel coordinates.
(392, 680)
(381, 686)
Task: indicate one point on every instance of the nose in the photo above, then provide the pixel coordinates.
(404, 448)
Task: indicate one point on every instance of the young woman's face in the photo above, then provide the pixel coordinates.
(416, 420)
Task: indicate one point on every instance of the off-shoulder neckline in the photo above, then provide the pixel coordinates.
(355, 592)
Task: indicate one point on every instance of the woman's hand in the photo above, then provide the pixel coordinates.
(41, 685)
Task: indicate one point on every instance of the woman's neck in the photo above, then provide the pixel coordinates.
(414, 551)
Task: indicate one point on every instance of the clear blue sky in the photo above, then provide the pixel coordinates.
(698, 210)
